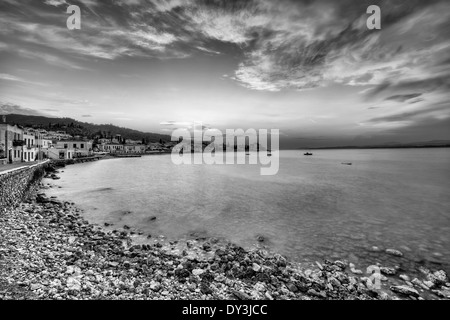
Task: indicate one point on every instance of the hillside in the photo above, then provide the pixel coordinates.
(74, 127)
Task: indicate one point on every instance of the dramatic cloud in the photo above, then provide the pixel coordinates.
(315, 61)
(286, 44)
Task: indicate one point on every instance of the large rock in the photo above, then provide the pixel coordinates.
(388, 271)
(419, 283)
(438, 277)
(406, 290)
(394, 252)
(444, 293)
(292, 287)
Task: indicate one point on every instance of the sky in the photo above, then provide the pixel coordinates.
(311, 69)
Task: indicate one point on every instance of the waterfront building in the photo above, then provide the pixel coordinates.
(59, 153)
(11, 142)
(155, 146)
(29, 147)
(113, 147)
(80, 148)
(134, 148)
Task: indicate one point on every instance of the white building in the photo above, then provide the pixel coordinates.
(29, 148)
(113, 147)
(155, 146)
(81, 148)
(11, 143)
(134, 148)
(59, 153)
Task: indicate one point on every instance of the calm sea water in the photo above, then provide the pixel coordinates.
(314, 208)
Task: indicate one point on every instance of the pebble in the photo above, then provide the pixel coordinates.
(256, 267)
(197, 272)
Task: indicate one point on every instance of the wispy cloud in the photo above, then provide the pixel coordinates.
(12, 108)
(9, 77)
(55, 3)
(287, 44)
(403, 97)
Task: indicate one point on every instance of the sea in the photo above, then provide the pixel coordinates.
(317, 207)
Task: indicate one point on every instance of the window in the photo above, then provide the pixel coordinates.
(65, 145)
(82, 146)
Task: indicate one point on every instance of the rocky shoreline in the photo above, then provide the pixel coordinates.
(48, 251)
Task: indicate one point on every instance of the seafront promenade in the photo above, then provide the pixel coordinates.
(12, 166)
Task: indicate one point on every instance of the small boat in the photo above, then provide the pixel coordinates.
(308, 154)
(347, 163)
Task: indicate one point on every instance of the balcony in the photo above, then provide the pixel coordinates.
(18, 143)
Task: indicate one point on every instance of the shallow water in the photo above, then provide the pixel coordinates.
(314, 208)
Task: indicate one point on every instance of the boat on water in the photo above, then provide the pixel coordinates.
(308, 154)
(347, 163)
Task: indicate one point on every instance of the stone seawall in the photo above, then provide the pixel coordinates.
(18, 184)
